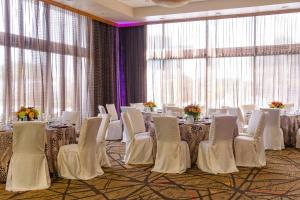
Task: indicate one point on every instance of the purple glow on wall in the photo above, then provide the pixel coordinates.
(128, 24)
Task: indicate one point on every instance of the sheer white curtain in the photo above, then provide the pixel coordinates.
(230, 65)
(44, 59)
(278, 59)
(176, 63)
(225, 62)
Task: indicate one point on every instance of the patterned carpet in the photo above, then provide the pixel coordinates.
(279, 180)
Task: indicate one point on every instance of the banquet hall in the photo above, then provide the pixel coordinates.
(149, 99)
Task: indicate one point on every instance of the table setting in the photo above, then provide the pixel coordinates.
(58, 134)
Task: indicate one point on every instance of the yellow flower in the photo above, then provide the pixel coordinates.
(28, 110)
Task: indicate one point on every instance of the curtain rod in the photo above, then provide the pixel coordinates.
(80, 12)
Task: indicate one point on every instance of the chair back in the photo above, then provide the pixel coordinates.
(236, 111)
(105, 119)
(256, 124)
(139, 106)
(88, 133)
(174, 111)
(272, 117)
(126, 108)
(72, 117)
(111, 109)
(248, 108)
(217, 111)
(222, 128)
(101, 109)
(167, 129)
(253, 122)
(29, 137)
(137, 120)
(127, 126)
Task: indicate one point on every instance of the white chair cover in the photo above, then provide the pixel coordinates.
(173, 155)
(115, 126)
(216, 154)
(273, 135)
(102, 110)
(137, 120)
(174, 111)
(101, 143)
(79, 161)
(139, 147)
(139, 106)
(28, 167)
(249, 150)
(240, 118)
(247, 109)
(126, 108)
(167, 105)
(217, 111)
(71, 117)
(111, 109)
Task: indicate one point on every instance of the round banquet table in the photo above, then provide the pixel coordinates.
(56, 137)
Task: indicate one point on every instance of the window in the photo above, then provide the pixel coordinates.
(240, 61)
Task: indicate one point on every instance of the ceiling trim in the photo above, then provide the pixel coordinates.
(80, 12)
(250, 14)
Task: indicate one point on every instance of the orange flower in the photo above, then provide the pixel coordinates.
(31, 115)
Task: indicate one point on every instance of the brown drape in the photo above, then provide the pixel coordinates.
(106, 64)
(133, 63)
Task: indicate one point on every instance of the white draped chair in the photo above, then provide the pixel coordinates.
(216, 154)
(102, 110)
(115, 126)
(217, 111)
(126, 108)
(167, 105)
(247, 109)
(174, 111)
(273, 134)
(101, 142)
(139, 147)
(173, 155)
(79, 161)
(249, 149)
(28, 167)
(139, 106)
(71, 117)
(138, 122)
(236, 111)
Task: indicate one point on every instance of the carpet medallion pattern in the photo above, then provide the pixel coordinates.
(280, 179)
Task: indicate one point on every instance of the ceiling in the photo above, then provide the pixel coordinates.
(131, 12)
(143, 3)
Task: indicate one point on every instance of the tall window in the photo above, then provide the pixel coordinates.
(44, 58)
(225, 62)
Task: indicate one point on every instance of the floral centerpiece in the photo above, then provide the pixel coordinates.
(276, 104)
(29, 113)
(192, 110)
(151, 105)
